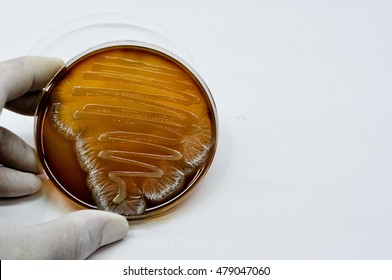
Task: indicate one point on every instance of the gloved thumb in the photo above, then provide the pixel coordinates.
(74, 236)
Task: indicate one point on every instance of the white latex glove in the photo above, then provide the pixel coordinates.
(74, 236)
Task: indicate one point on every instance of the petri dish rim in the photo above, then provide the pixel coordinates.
(41, 112)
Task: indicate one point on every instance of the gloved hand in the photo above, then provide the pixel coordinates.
(74, 236)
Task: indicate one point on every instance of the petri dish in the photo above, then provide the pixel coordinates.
(126, 127)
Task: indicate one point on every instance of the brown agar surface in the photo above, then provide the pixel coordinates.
(127, 129)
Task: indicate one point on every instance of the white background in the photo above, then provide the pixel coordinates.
(304, 97)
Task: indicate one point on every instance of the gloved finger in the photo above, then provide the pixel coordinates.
(21, 75)
(26, 104)
(17, 154)
(14, 183)
(74, 236)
